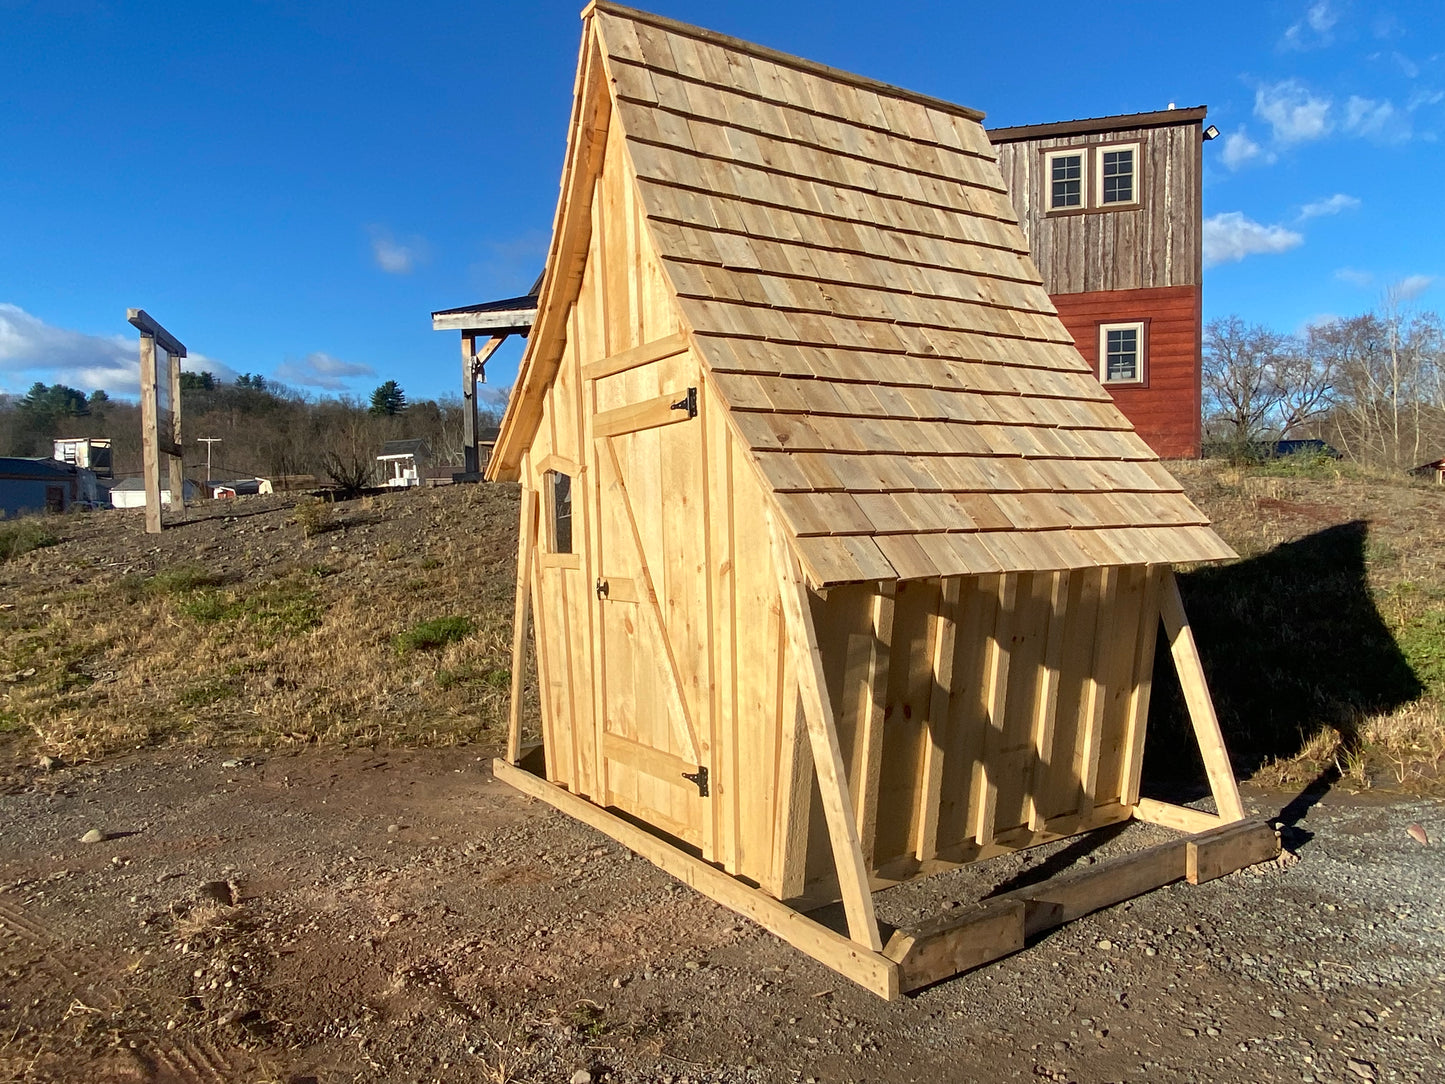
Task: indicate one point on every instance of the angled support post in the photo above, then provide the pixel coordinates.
(827, 755)
(1196, 697)
(526, 544)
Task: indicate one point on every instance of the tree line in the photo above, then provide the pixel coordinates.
(265, 428)
(1371, 386)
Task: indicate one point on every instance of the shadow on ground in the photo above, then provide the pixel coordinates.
(1291, 642)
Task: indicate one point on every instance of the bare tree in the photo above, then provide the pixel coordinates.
(1241, 380)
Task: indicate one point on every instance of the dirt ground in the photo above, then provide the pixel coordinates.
(401, 916)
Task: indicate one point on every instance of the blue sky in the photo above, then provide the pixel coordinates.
(292, 188)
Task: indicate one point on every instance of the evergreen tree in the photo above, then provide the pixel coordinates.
(197, 381)
(388, 399)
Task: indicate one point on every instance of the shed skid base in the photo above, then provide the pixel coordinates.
(918, 956)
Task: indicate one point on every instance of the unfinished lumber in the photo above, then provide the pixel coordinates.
(1228, 848)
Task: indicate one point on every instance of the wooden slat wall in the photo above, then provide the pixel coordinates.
(1072, 639)
(1166, 410)
(1156, 244)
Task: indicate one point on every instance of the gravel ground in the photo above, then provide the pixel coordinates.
(395, 917)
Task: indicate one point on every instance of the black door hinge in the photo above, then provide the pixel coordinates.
(688, 403)
(700, 779)
(602, 587)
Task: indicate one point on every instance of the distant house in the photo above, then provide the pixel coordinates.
(92, 453)
(241, 487)
(1433, 471)
(42, 485)
(131, 493)
(404, 462)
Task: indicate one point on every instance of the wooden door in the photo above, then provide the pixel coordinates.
(653, 704)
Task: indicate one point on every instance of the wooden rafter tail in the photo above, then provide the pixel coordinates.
(827, 756)
(1196, 697)
(526, 544)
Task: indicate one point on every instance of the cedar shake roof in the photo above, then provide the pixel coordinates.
(860, 294)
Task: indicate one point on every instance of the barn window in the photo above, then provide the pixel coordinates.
(1065, 180)
(559, 486)
(1118, 173)
(1121, 353)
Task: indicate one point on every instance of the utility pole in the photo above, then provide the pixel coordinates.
(208, 441)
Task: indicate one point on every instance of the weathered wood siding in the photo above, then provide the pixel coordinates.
(1165, 410)
(1152, 245)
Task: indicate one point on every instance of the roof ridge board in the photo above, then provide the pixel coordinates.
(740, 92)
(777, 56)
(774, 171)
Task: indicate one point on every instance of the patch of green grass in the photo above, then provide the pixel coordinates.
(284, 608)
(429, 563)
(24, 535)
(204, 693)
(1422, 639)
(468, 676)
(433, 634)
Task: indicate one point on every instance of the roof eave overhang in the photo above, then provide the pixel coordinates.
(1126, 122)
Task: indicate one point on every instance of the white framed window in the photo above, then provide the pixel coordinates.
(1064, 180)
(1116, 175)
(1122, 352)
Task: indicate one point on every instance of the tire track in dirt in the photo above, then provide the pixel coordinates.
(187, 1061)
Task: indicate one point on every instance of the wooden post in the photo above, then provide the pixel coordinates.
(175, 461)
(1196, 697)
(827, 756)
(150, 452)
(469, 403)
(526, 543)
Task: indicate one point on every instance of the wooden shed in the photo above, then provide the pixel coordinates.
(843, 567)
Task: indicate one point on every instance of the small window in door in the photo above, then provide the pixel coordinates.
(560, 488)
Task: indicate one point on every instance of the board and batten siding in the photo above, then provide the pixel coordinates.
(1155, 244)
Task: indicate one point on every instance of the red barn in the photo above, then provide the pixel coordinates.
(1111, 209)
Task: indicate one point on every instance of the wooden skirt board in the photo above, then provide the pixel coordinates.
(919, 956)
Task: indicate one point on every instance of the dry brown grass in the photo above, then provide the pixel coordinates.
(296, 643)
(1260, 509)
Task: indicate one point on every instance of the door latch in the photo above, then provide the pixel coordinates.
(688, 403)
(601, 588)
(700, 778)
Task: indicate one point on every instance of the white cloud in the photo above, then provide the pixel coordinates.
(320, 370)
(1412, 286)
(1362, 279)
(1230, 237)
(31, 350)
(394, 255)
(1293, 112)
(1424, 97)
(1313, 29)
(1378, 120)
(1330, 206)
(1240, 150)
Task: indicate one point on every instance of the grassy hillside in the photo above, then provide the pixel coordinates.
(387, 620)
